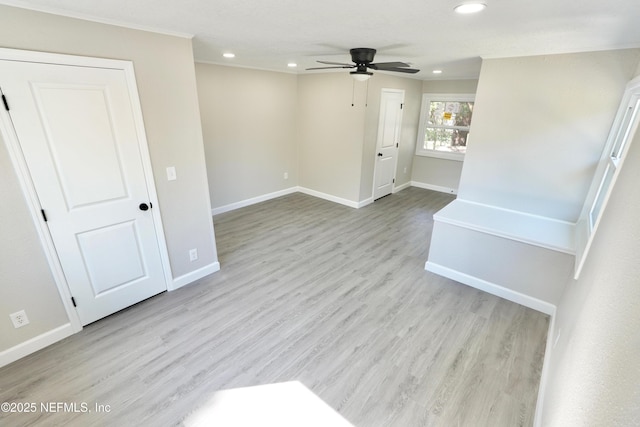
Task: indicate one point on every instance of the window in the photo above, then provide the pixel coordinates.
(445, 120)
(622, 133)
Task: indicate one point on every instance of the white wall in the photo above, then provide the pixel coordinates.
(166, 83)
(331, 133)
(249, 127)
(538, 129)
(432, 171)
(594, 373)
(539, 126)
(259, 124)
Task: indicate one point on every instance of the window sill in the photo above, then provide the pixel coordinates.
(441, 155)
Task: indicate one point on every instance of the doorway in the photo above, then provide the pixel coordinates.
(388, 141)
(76, 129)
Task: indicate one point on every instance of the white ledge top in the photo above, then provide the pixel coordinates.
(536, 230)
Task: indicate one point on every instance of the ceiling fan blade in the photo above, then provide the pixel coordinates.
(335, 63)
(327, 68)
(387, 65)
(401, 70)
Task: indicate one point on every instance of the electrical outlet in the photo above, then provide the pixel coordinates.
(193, 255)
(19, 319)
(286, 175)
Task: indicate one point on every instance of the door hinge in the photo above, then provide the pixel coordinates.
(44, 215)
(397, 145)
(73, 300)
(4, 101)
(401, 105)
(393, 180)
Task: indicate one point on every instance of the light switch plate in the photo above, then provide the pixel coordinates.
(171, 173)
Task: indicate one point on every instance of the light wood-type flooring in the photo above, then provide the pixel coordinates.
(309, 290)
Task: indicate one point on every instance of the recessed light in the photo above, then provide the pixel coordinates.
(465, 8)
(292, 65)
(437, 71)
(229, 55)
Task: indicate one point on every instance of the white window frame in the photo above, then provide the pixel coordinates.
(622, 132)
(427, 98)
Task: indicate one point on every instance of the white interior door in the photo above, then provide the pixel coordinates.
(389, 125)
(77, 131)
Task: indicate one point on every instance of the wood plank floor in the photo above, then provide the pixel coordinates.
(309, 290)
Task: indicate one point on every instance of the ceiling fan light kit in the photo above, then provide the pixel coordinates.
(472, 7)
(362, 58)
(361, 76)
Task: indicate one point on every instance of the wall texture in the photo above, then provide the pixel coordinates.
(594, 374)
(538, 129)
(432, 171)
(249, 127)
(166, 83)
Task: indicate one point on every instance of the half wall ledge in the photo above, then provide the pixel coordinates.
(515, 255)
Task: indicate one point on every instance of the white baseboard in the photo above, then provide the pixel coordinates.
(434, 187)
(329, 197)
(191, 277)
(310, 192)
(365, 202)
(25, 348)
(397, 189)
(492, 288)
(537, 420)
(253, 201)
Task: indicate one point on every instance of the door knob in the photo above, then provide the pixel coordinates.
(143, 206)
(379, 154)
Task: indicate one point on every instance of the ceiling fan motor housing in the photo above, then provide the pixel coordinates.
(362, 55)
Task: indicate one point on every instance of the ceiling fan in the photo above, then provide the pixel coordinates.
(362, 58)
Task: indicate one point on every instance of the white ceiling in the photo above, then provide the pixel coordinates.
(425, 33)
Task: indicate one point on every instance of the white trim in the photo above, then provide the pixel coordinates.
(253, 200)
(61, 59)
(34, 344)
(192, 276)
(399, 188)
(492, 288)
(433, 187)
(544, 376)
(291, 190)
(364, 203)
(147, 167)
(329, 197)
(457, 157)
(92, 18)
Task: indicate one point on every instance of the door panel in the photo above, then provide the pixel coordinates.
(98, 177)
(117, 244)
(389, 124)
(77, 131)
